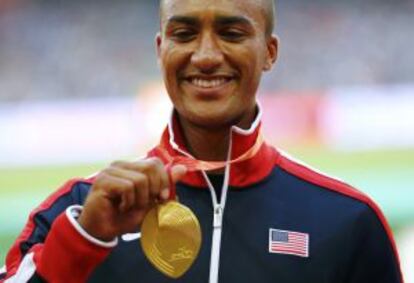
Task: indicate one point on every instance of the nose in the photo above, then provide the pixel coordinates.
(208, 56)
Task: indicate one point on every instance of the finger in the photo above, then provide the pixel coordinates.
(120, 191)
(141, 184)
(152, 167)
(140, 197)
(157, 175)
(133, 194)
(140, 165)
(177, 172)
(142, 194)
(133, 176)
(127, 201)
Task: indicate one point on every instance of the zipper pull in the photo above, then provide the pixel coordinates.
(218, 216)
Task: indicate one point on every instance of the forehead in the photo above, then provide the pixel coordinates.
(253, 10)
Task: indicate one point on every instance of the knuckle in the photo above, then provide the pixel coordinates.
(116, 163)
(128, 184)
(106, 172)
(154, 162)
(101, 177)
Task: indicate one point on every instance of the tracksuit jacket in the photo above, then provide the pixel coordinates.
(277, 220)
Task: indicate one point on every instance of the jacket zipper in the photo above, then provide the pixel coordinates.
(216, 244)
(218, 210)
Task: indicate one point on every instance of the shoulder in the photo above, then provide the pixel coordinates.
(359, 215)
(334, 196)
(321, 181)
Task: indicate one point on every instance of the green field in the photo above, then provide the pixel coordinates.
(21, 189)
(387, 176)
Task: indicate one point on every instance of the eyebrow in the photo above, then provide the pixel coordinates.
(219, 20)
(183, 20)
(232, 20)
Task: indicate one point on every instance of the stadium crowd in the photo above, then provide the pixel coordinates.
(54, 49)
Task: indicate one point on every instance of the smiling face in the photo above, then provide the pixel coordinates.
(212, 54)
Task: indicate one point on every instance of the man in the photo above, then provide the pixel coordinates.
(264, 219)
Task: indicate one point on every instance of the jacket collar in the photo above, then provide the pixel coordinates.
(242, 174)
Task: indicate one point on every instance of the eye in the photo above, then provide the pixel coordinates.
(183, 34)
(233, 35)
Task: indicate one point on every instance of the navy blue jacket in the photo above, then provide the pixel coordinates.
(268, 199)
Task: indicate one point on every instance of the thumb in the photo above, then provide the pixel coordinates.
(178, 172)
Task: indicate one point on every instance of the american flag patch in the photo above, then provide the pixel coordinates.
(288, 242)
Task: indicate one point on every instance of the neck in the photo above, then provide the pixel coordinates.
(211, 143)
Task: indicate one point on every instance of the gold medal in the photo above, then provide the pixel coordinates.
(171, 235)
(171, 238)
(170, 232)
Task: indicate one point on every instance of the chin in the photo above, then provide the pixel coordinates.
(211, 119)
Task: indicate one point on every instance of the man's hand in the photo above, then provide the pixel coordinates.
(123, 193)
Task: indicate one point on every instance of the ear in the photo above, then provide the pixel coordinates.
(158, 41)
(272, 52)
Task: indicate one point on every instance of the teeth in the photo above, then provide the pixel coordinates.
(208, 83)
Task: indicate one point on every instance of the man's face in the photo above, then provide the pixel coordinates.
(212, 54)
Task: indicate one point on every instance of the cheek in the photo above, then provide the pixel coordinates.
(249, 60)
(258, 58)
(173, 61)
(174, 58)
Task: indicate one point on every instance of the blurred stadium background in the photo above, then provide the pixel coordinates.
(79, 86)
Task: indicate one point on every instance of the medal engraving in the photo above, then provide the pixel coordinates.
(171, 238)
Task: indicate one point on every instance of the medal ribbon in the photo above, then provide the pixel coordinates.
(193, 164)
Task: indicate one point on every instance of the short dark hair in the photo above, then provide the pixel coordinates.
(269, 11)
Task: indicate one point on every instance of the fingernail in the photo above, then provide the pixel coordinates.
(165, 194)
(180, 168)
(177, 172)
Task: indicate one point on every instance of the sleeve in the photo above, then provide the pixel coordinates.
(375, 257)
(53, 247)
